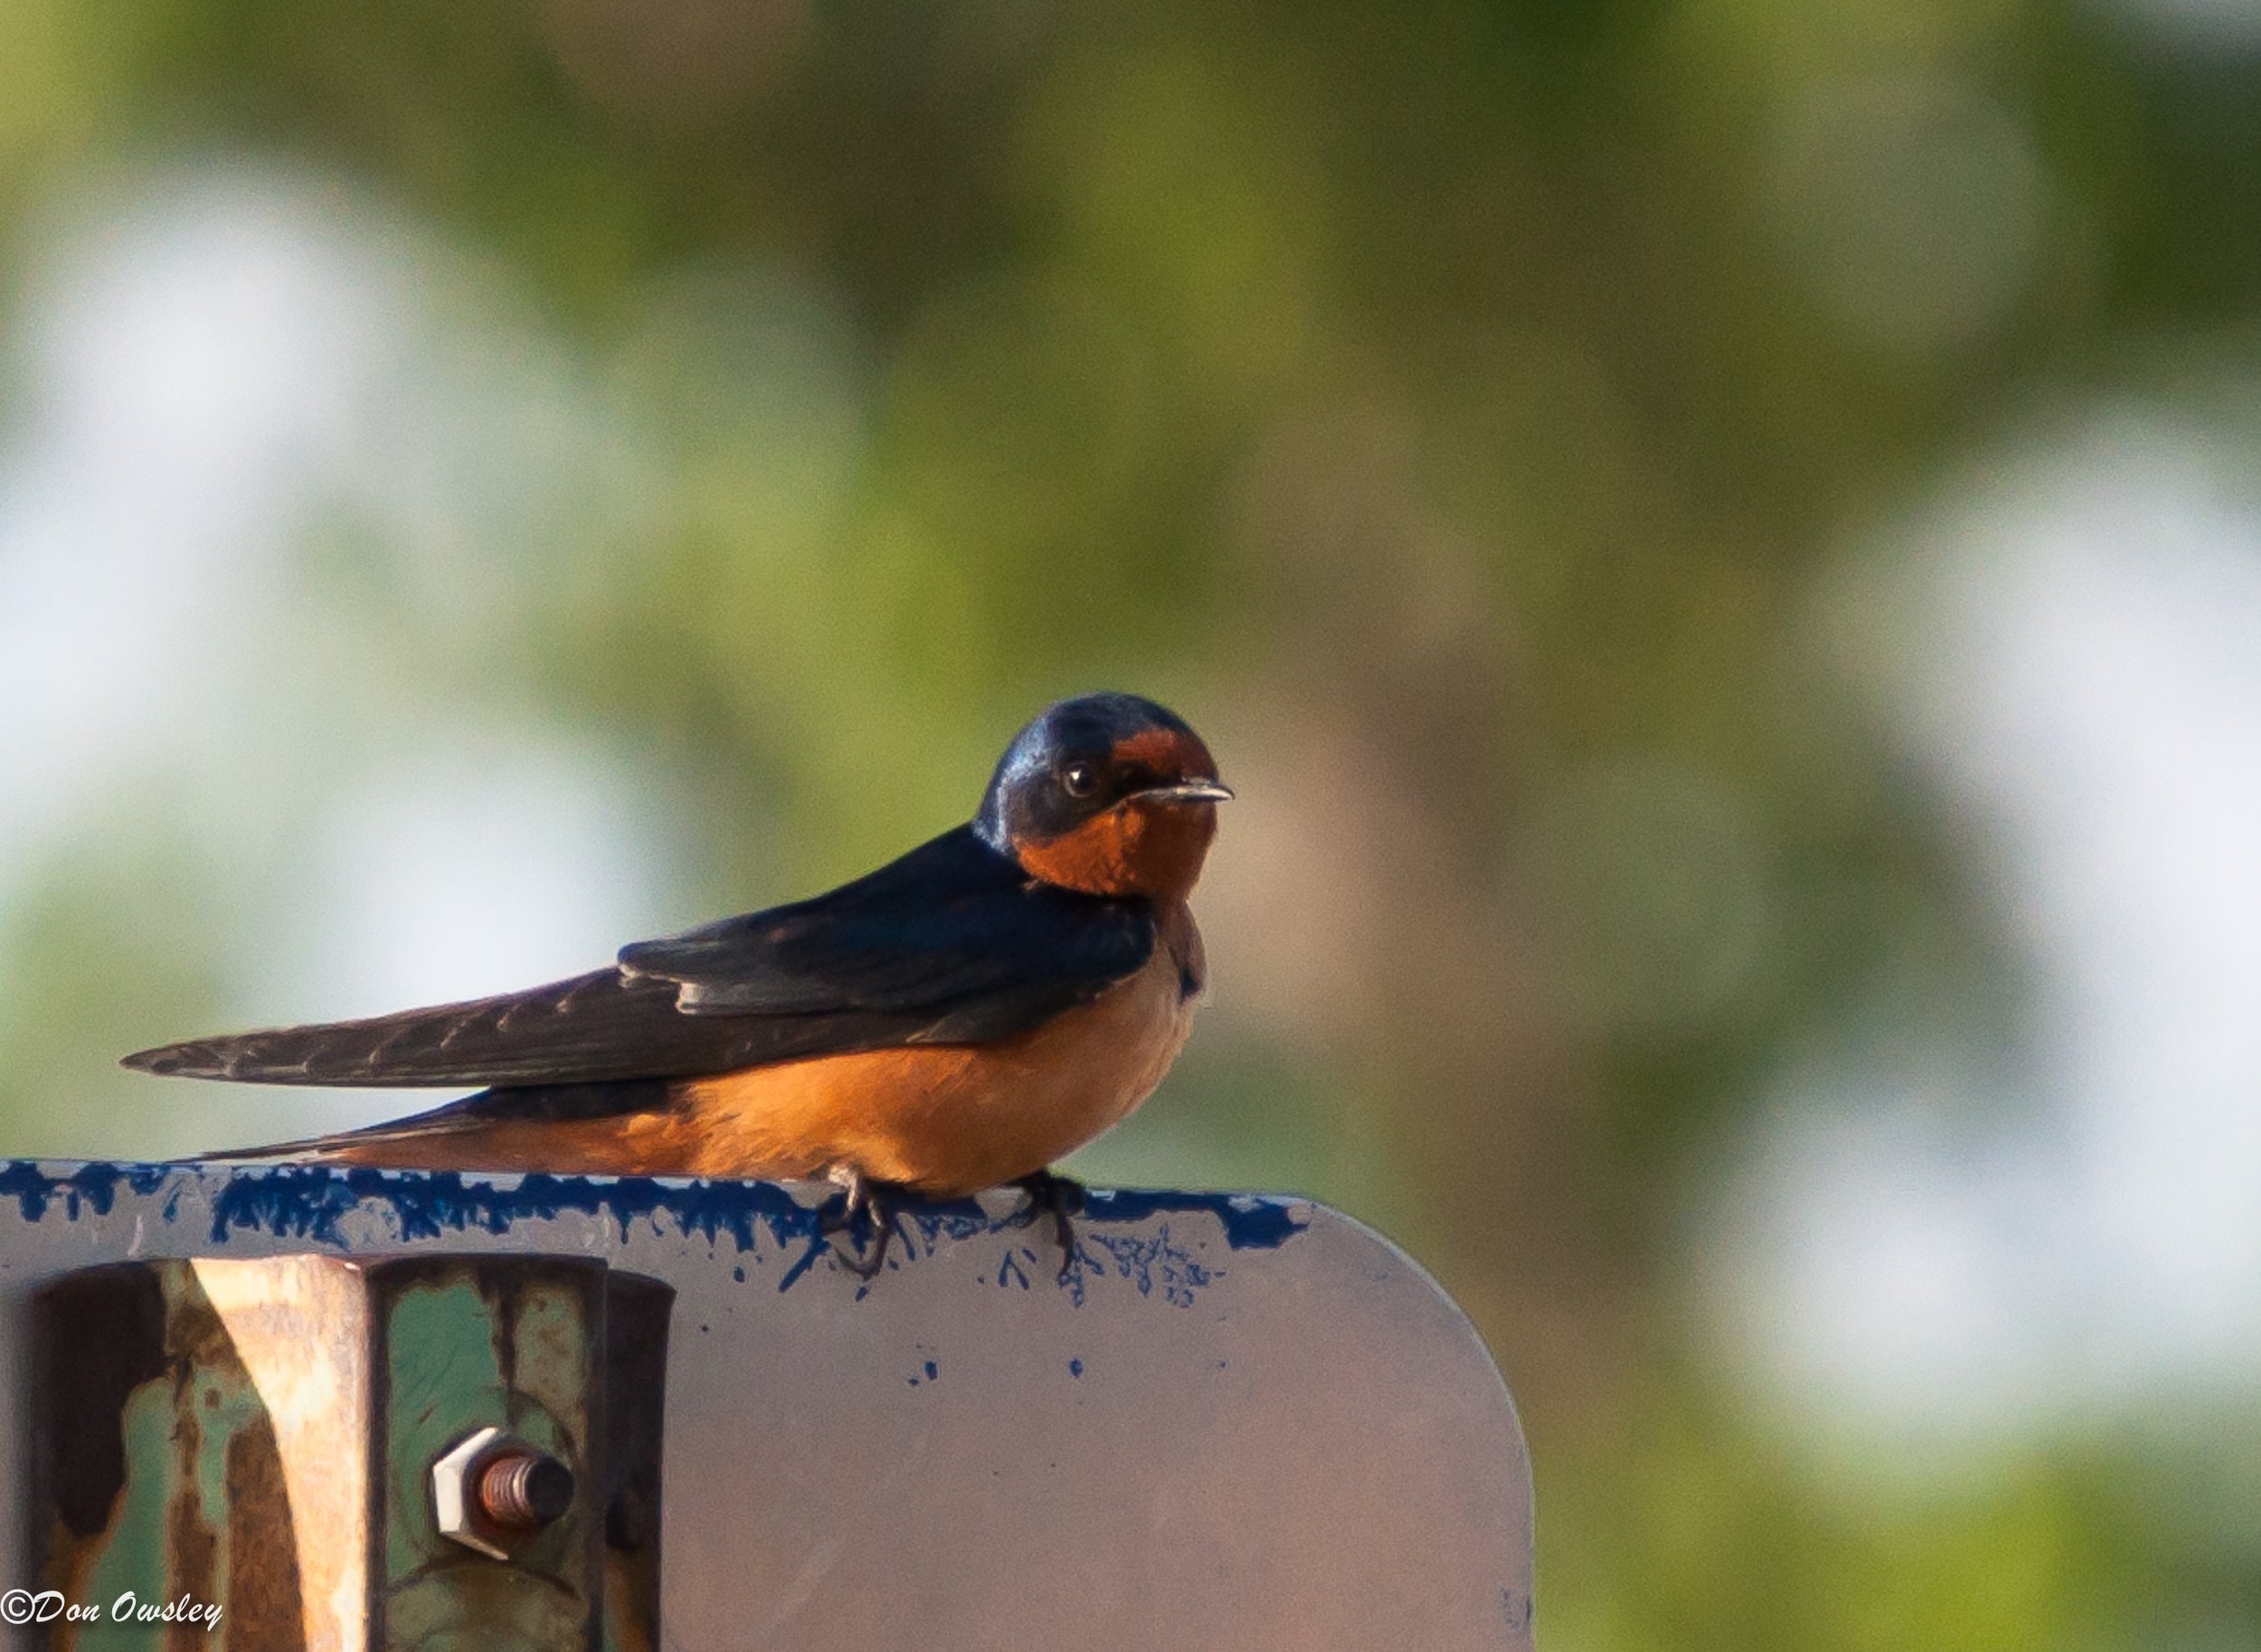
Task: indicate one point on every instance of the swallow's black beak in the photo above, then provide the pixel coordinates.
(1186, 791)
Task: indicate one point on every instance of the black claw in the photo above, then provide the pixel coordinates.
(863, 1203)
(1059, 1197)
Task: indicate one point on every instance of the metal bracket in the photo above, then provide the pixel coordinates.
(355, 1452)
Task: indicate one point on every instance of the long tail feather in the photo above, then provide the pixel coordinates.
(594, 1028)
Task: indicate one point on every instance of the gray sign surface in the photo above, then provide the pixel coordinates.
(1236, 1422)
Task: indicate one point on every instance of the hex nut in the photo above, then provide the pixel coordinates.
(490, 1487)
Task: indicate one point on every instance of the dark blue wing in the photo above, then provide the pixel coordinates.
(952, 930)
(951, 944)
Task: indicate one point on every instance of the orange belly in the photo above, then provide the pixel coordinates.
(949, 1119)
(946, 1119)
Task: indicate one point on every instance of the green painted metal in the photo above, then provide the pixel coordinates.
(259, 1436)
(190, 1435)
(470, 1347)
(136, 1559)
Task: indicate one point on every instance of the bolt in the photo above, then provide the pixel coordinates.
(489, 1489)
(521, 1490)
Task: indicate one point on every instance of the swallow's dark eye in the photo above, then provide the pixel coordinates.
(1079, 778)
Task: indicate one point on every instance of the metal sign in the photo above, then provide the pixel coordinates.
(1230, 1422)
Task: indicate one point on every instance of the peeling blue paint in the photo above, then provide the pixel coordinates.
(313, 1202)
(1251, 1221)
(1149, 1262)
(309, 1201)
(1075, 1367)
(802, 1264)
(92, 1187)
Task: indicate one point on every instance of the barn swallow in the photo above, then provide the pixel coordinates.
(955, 1021)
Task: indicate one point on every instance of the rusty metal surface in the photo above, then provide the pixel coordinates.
(162, 1476)
(1239, 1423)
(460, 1346)
(297, 1328)
(273, 1437)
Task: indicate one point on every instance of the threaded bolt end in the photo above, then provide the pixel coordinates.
(522, 1490)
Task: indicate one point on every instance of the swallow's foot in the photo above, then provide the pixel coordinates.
(1060, 1197)
(864, 1203)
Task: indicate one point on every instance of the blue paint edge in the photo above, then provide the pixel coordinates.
(309, 1202)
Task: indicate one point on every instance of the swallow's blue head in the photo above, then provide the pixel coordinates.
(1110, 794)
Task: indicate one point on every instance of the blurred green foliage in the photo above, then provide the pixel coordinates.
(1447, 406)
